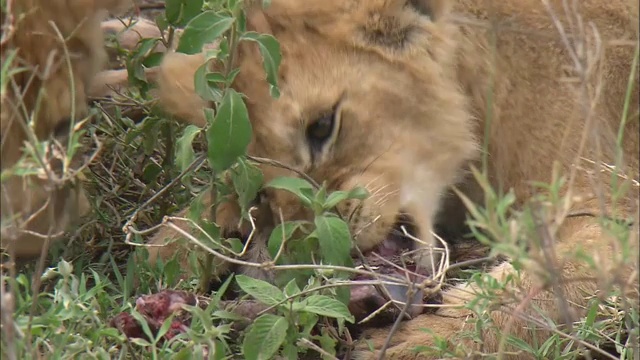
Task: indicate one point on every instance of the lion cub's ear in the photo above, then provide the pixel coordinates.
(397, 28)
(382, 25)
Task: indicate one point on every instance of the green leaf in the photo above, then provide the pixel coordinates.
(184, 149)
(320, 198)
(172, 9)
(220, 292)
(335, 198)
(234, 5)
(179, 12)
(271, 57)
(326, 306)
(216, 77)
(151, 172)
(260, 290)
(264, 338)
(153, 60)
(282, 232)
(229, 133)
(184, 354)
(197, 208)
(143, 323)
(235, 244)
(308, 322)
(190, 9)
(343, 294)
(327, 342)
(358, 193)
(203, 29)
(144, 48)
(227, 315)
(150, 135)
(591, 315)
(161, 20)
(207, 90)
(164, 328)
(171, 271)
(141, 342)
(6, 70)
(300, 187)
(520, 344)
(290, 351)
(291, 288)
(65, 268)
(334, 238)
(247, 180)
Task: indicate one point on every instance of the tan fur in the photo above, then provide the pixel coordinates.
(412, 94)
(396, 185)
(43, 94)
(526, 133)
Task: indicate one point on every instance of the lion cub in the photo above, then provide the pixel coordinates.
(52, 50)
(401, 96)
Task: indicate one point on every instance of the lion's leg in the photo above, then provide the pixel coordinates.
(109, 83)
(174, 76)
(558, 290)
(423, 331)
(128, 34)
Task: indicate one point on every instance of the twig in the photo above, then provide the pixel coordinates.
(8, 26)
(276, 163)
(396, 324)
(306, 343)
(167, 222)
(128, 228)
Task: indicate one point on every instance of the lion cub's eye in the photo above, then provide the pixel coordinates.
(322, 133)
(321, 130)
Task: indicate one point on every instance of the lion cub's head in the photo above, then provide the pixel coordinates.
(368, 97)
(51, 50)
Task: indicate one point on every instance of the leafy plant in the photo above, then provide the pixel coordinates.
(227, 135)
